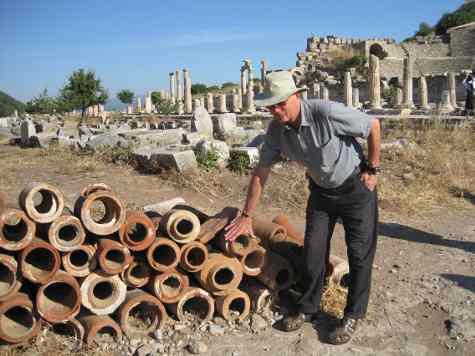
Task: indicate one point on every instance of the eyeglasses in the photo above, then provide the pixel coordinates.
(280, 105)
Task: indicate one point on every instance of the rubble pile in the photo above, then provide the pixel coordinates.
(97, 269)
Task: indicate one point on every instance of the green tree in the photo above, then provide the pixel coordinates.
(461, 16)
(424, 29)
(213, 88)
(125, 96)
(198, 88)
(42, 104)
(82, 90)
(156, 97)
(226, 85)
(163, 105)
(8, 105)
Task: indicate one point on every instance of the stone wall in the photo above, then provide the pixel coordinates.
(462, 40)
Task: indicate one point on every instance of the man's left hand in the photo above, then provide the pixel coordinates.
(369, 180)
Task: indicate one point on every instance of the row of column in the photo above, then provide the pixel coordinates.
(181, 94)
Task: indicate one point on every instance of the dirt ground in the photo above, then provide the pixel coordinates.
(423, 296)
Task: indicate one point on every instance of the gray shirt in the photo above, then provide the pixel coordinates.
(324, 143)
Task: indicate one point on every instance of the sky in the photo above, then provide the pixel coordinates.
(135, 44)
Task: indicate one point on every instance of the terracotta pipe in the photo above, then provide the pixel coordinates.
(59, 300)
(283, 220)
(196, 303)
(66, 233)
(141, 308)
(138, 231)
(220, 273)
(102, 294)
(18, 319)
(253, 261)
(201, 215)
(265, 230)
(260, 296)
(16, 230)
(49, 207)
(277, 273)
(193, 256)
(163, 255)
(10, 277)
(95, 325)
(39, 261)
(181, 226)
(137, 275)
(108, 222)
(212, 226)
(93, 188)
(169, 286)
(235, 305)
(241, 246)
(81, 261)
(112, 257)
(71, 328)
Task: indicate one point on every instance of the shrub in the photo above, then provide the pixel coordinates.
(239, 163)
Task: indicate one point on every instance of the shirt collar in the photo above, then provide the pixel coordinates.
(303, 118)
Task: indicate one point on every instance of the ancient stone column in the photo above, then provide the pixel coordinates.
(139, 105)
(179, 91)
(172, 87)
(240, 100)
(347, 90)
(243, 82)
(263, 72)
(325, 93)
(250, 94)
(407, 84)
(423, 93)
(188, 96)
(209, 103)
(356, 97)
(452, 89)
(196, 104)
(374, 82)
(397, 100)
(235, 105)
(129, 109)
(222, 103)
(322, 85)
(445, 105)
(180, 108)
(148, 103)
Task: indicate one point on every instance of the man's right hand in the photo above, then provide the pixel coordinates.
(241, 225)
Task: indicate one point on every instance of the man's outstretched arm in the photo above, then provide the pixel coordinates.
(374, 153)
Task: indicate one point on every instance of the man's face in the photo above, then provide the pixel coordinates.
(287, 111)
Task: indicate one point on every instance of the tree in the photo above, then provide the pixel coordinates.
(42, 104)
(424, 29)
(461, 16)
(82, 90)
(8, 105)
(126, 96)
(198, 88)
(163, 105)
(226, 85)
(156, 97)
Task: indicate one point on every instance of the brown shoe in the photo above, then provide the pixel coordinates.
(343, 333)
(294, 322)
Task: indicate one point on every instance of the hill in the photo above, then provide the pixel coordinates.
(8, 105)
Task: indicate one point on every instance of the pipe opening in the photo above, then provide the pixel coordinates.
(139, 271)
(108, 211)
(14, 229)
(68, 233)
(115, 259)
(106, 333)
(223, 276)
(40, 262)
(58, 298)
(283, 277)
(345, 280)
(104, 293)
(196, 307)
(254, 259)
(241, 243)
(66, 329)
(79, 258)
(143, 316)
(136, 232)
(164, 255)
(184, 227)
(98, 210)
(45, 201)
(237, 307)
(171, 286)
(195, 256)
(7, 278)
(17, 322)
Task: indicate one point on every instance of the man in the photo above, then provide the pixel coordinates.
(321, 135)
(469, 85)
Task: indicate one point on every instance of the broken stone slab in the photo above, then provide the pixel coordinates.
(252, 153)
(192, 138)
(201, 122)
(105, 140)
(65, 141)
(143, 138)
(153, 159)
(223, 124)
(27, 131)
(220, 147)
(6, 122)
(42, 140)
(165, 206)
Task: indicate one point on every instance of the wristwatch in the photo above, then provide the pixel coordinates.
(372, 170)
(245, 214)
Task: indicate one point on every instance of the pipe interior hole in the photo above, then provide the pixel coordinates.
(196, 256)
(143, 316)
(17, 322)
(68, 233)
(59, 298)
(171, 286)
(237, 307)
(106, 334)
(345, 280)
(40, 262)
(65, 329)
(254, 259)
(241, 242)
(184, 227)
(79, 258)
(224, 276)
(115, 259)
(111, 211)
(15, 228)
(98, 210)
(196, 307)
(164, 255)
(139, 271)
(104, 294)
(282, 277)
(136, 232)
(45, 201)
(7, 278)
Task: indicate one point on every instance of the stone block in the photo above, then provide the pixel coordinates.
(27, 131)
(143, 138)
(105, 140)
(223, 124)
(151, 159)
(252, 153)
(220, 147)
(192, 138)
(201, 122)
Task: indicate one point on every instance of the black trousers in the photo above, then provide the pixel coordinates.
(357, 207)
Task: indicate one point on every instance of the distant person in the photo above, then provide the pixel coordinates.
(469, 85)
(321, 135)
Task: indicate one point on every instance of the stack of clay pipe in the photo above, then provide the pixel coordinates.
(96, 268)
